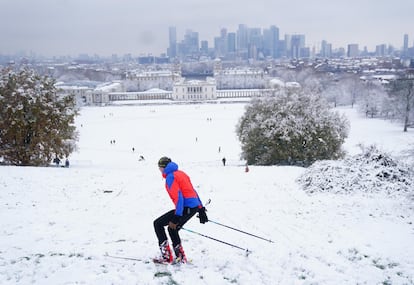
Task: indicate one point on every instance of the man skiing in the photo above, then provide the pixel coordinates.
(187, 204)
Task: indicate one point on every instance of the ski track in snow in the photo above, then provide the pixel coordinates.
(58, 223)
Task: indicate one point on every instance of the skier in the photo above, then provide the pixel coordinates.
(187, 204)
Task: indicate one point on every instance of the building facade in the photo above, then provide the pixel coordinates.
(194, 90)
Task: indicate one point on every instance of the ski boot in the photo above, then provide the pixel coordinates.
(179, 254)
(166, 254)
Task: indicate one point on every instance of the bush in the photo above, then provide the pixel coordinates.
(36, 124)
(290, 129)
(371, 171)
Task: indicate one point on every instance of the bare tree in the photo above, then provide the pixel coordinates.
(401, 91)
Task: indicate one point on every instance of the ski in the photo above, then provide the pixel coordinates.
(156, 261)
(153, 260)
(174, 263)
(124, 257)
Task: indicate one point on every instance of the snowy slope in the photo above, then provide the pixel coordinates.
(58, 223)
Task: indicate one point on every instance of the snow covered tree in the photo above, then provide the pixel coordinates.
(36, 125)
(372, 100)
(343, 89)
(290, 128)
(401, 92)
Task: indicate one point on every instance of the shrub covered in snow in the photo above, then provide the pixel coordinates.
(291, 129)
(371, 171)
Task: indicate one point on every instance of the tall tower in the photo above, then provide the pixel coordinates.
(242, 37)
(405, 47)
(231, 42)
(274, 41)
(172, 49)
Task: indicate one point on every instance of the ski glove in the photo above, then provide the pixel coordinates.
(173, 226)
(202, 215)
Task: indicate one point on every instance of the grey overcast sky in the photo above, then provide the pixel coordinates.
(105, 27)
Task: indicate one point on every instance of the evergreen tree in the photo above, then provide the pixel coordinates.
(36, 125)
(290, 128)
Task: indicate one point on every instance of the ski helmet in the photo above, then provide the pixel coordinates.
(163, 161)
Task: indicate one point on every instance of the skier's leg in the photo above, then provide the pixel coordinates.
(175, 237)
(188, 213)
(159, 225)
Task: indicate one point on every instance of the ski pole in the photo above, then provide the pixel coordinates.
(220, 224)
(232, 245)
(217, 223)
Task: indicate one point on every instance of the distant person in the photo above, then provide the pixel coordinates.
(67, 162)
(224, 161)
(56, 161)
(187, 204)
(141, 158)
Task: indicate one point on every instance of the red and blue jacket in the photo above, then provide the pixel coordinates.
(180, 189)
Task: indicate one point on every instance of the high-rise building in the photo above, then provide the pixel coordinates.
(223, 41)
(405, 47)
(204, 47)
(218, 46)
(242, 37)
(271, 42)
(353, 50)
(231, 42)
(190, 45)
(274, 35)
(296, 46)
(326, 49)
(381, 50)
(255, 43)
(172, 48)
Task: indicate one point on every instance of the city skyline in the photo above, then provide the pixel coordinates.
(105, 27)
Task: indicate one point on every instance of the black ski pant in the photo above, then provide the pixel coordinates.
(163, 221)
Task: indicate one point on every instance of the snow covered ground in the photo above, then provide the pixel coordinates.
(57, 224)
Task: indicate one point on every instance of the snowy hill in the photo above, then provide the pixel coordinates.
(58, 223)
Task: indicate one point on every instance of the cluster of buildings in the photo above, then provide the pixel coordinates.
(169, 84)
(241, 64)
(257, 43)
(226, 81)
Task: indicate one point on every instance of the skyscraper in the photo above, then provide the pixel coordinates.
(353, 50)
(274, 38)
(191, 42)
(297, 44)
(204, 47)
(172, 49)
(405, 47)
(231, 42)
(242, 37)
(326, 49)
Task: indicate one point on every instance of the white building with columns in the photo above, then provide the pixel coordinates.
(197, 90)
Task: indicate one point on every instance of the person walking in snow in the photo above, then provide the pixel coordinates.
(187, 204)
